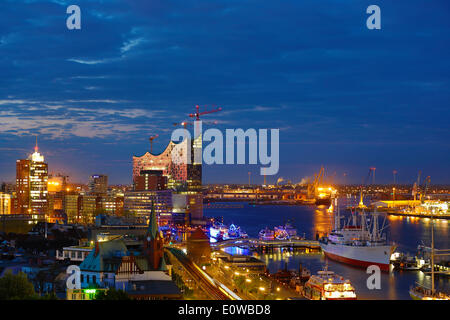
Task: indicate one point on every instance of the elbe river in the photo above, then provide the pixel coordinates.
(405, 233)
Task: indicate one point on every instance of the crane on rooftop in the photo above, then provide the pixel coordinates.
(197, 113)
(151, 142)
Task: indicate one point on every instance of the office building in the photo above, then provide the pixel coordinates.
(31, 184)
(98, 184)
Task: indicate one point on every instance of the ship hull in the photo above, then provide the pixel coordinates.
(362, 257)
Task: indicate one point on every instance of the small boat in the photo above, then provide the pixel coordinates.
(266, 234)
(234, 232)
(405, 262)
(327, 285)
(420, 292)
(281, 233)
(285, 232)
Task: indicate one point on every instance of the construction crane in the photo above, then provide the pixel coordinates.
(183, 124)
(197, 113)
(151, 142)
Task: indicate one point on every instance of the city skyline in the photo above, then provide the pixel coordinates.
(342, 96)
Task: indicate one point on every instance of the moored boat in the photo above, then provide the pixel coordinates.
(357, 245)
(327, 285)
(266, 234)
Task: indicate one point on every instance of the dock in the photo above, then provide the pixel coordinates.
(268, 245)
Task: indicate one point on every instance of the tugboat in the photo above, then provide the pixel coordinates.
(327, 285)
(266, 234)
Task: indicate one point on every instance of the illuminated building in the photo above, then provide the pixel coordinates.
(70, 205)
(112, 205)
(5, 203)
(187, 206)
(140, 203)
(56, 184)
(142, 276)
(87, 205)
(150, 180)
(31, 184)
(98, 184)
(173, 162)
(185, 179)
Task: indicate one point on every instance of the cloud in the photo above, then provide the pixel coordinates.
(62, 121)
(127, 46)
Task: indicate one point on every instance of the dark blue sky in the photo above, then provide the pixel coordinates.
(342, 95)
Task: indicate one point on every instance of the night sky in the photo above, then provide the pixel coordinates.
(342, 96)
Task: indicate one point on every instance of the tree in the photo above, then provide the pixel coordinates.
(16, 287)
(112, 294)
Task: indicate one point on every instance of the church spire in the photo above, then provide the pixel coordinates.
(153, 224)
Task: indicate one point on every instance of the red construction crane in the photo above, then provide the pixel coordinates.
(151, 142)
(184, 124)
(197, 114)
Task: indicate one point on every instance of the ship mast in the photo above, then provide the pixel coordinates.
(432, 251)
(337, 221)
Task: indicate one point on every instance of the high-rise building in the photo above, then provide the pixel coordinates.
(31, 184)
(70, 205)
(87, 205)
(174, 164)
(140, 204)
(98, 184)
(5, 203)
(184, 177)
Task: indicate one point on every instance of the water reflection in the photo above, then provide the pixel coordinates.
(407, 234)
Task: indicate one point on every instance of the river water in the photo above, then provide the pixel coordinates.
(405, 233)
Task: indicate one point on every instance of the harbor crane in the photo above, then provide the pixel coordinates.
(365, 181)
(416, 186)
(318, 177)
(427, 184)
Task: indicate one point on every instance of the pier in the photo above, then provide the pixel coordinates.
(268, 245)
